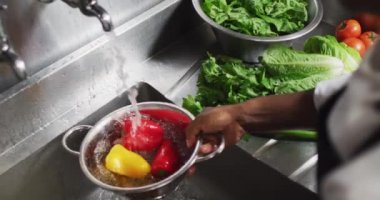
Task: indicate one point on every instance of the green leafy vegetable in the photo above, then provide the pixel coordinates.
(328, 45)
(258, 17)
(192, 105)
(284, 63)
(297, 85)
(229, 80)
(283, 70)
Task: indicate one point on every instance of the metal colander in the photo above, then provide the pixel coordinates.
(105, 133)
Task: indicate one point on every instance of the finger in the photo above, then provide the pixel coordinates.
(212, 138)
(206, 148)
(191, 171)
(229, 137)
(232, 134)
(192, 131)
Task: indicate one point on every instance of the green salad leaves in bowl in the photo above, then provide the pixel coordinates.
(245, 28)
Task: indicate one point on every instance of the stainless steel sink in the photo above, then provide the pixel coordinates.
(52, 173)
(157, 46)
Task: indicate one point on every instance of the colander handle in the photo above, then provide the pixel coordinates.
(214, 153)
(74, 137)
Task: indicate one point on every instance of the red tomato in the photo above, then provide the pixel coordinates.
(368, 21)
(348, 29)
(356, 44)
(369, 38)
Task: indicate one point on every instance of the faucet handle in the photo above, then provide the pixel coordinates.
(92, 8)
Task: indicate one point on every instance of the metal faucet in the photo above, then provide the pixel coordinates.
(90, 8)
(8, 54)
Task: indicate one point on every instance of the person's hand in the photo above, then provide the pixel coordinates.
(222, 119)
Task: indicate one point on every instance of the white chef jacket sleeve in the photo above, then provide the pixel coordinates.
(326, 88)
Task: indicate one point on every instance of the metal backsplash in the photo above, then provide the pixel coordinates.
(42, 33)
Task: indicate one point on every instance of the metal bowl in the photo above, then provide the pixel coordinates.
(92, 135)
(249, 48)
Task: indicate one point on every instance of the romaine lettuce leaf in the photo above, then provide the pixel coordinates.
(297, 85)
(284, 64)
(328, 45)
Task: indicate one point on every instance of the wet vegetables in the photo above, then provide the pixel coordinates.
(148, 135)
(147, 153)
(258, 17)
(124, 162)
(166, 161)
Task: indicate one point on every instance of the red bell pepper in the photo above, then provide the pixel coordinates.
(174, 117)
(166, 161)
(148, 136)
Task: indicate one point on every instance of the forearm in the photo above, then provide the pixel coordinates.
(278, 112)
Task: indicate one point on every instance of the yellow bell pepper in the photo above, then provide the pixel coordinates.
(124, 162)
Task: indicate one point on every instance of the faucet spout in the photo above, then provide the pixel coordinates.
(92, 8)
(8, 54)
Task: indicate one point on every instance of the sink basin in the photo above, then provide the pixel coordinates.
(52, 173)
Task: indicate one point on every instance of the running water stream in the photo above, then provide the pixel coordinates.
(120, 58)
(136, 115)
